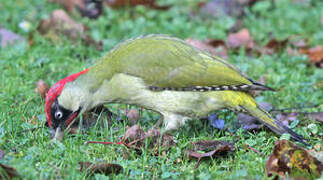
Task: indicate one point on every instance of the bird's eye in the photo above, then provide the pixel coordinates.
(58, 115)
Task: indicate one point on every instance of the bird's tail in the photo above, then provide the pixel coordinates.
(244, 101)
(271, 123)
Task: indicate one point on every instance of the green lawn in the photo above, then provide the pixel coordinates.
(34, 157)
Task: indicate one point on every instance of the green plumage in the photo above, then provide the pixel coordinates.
(164, 61)
(163, 74)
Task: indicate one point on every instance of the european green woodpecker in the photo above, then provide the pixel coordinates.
(160, 73)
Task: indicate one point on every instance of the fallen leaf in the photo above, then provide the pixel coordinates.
(318, 116)
(154, 135)
(220, 8)
(7, 37)
(70, 5)
(300, 43)
(214, 47)
(134, 133)
(135, 138)
(88, 8)
(7, 172)
(41, 88)
(314, 54)
(91, 118)
(102, 168)
(277, 44)
(133, 116)
(125, 3)
(274, 46)
(61, 24)
(239, 39)
(93, 9)
(296, 161)
(215, 148)
(287, 117)
(248, 122)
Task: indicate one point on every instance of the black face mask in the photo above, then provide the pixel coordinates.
(59, 114)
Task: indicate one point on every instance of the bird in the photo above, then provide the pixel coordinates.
(161, 73)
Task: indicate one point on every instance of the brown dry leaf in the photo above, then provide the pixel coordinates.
(214, 47)
(277, 44)
(239, 39)
(318, 116)
(287, 117)
(274, 45)
(214, 148)
(248, 122)
(86, 7)
(91, 117)
(70, 5)
(41, 88)
(136, 137)
(166, 140)
(133, 116)
(102, 168)
(220, 8)
(61, 24)
(314, 54)
(125, 3)
(7, 172)
(7, 37)
(296, 161)
(134, 133)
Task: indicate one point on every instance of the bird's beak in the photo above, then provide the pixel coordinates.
(59, 133)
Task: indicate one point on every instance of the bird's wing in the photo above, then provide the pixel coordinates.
(167, 62)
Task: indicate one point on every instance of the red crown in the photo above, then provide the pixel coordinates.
(55, 91)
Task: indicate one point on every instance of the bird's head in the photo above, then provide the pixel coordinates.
(60, 108)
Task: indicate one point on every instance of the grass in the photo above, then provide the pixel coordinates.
(34, 157)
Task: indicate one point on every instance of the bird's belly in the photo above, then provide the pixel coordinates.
(132, 90)
(191, 104)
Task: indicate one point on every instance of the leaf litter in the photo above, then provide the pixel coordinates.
(8, 37)
(102, 168)
(136, 138)
(296, 161)
(61, 24)
(211, 148)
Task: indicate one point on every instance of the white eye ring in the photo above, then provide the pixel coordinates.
(58, 115)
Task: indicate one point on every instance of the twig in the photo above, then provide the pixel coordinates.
(252, 149)
(293, 108)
